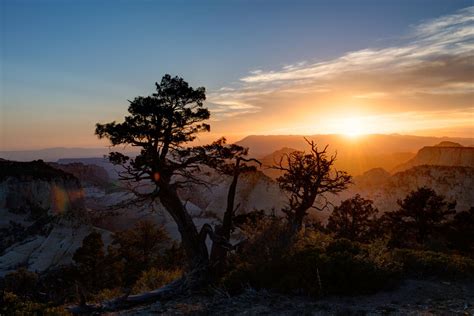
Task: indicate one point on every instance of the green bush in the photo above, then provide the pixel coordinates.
(422, 263)
(342, 267)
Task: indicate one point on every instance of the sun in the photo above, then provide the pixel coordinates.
(352, 127)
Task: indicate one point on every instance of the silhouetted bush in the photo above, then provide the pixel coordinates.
(138, 249)
(422, 263)
(422, 214)
(354, 219)
(12, 304)
(22, 283)
(460, 232)
(90, 263)
(340, 267)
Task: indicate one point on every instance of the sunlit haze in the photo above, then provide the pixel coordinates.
(283, 67)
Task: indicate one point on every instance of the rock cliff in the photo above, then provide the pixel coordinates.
(43, 219)
(443, 154)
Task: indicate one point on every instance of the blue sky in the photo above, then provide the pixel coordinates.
(68, 64)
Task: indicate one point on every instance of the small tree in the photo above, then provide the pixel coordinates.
(306, 177)
(21, 282)
(90, 262)
(161, 125)
(353, 219)
(461, 231)
(231, 162)
(138, 249)
(421, 213)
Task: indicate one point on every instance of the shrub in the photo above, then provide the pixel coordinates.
(420, 216)
(266, 238)
(11, 304)
(139, 249)
(21, 282)
(341, 267)
(420, 263)
(107, 294)
(460, 232)
(154, 279)
(354, 219)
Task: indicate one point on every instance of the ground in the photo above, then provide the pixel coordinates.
(413, 297)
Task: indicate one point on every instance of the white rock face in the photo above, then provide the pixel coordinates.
(205, 204)
(57, 195)
(39, 253)
(43, 219)
(255, 191)
(443, 154)
(454, 183)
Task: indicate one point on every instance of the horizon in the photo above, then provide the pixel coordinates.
(348, 138)
(279, 68)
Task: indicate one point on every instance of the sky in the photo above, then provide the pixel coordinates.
(269, 67)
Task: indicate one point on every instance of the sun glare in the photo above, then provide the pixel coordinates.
(352, 127)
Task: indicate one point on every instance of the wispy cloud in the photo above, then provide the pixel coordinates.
(452, 35)
(434, 59)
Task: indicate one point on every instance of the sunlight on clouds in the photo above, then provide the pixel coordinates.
(413, 86)
(370, 95)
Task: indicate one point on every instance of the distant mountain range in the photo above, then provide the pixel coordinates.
(355, 155)
(54, 154)
(261, 145)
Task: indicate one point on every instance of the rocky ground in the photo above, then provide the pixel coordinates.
(413, 297)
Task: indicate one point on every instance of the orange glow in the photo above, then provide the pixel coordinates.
(352, 127)
(59, 199)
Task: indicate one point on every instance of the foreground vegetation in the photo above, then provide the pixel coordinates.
(319, 262)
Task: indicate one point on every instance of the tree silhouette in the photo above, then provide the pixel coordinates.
(353, 219)
(231, 162)
(461, 231)
(138, 249)
(421, 212)
(90, 262)
(161, 125)
(306, 177)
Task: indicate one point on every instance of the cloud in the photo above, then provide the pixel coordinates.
(451, 35)
(370, 95)
(434, 59)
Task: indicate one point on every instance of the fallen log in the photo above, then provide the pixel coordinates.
(190, 282)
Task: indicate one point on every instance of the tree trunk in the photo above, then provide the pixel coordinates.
(229, 212)
(296, 221)
(194, 246)
(219, 252)
(183, 286)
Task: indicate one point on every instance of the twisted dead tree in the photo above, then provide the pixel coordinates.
(161, 126)
(306, 177)
(231, 161)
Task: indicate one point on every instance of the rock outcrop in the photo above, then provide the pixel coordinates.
(455, 183)
(27, 185)
(88, 174)
(444, 154)
(43, 219)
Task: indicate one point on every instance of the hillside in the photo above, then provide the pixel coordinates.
(353, 155)
(455, 183)
(261, 145)
(43, 219)
(442, 154)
